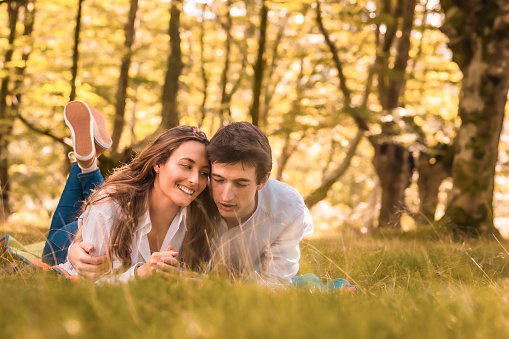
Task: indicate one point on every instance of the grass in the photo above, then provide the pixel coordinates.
(411, 285)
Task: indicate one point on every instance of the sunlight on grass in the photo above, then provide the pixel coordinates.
(411, 285)
(27, 227)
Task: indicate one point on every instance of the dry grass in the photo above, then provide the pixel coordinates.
(411, 285)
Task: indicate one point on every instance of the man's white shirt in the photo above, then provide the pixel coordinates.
(267, 244)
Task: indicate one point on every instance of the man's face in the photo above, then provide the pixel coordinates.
(234, 190)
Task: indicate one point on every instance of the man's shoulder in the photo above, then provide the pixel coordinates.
(284, 211)
(277, 196)
(281, 190)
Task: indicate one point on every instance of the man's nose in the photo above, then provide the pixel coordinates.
(228, 192)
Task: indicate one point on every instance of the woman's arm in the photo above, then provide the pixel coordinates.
(83, 262)
(95, 228)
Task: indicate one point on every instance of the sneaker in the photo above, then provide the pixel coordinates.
(79, 119)
(101, 136)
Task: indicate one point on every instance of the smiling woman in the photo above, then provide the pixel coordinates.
(149, 211)
(183, 176)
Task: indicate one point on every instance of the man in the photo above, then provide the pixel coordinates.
(262, 220)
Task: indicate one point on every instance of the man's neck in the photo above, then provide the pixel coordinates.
(239, 220)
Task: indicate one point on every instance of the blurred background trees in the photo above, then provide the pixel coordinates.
(377, 110)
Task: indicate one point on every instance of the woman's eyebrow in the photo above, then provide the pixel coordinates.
(189, 159)
(194, 162)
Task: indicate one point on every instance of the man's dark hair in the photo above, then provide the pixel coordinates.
(242, 142)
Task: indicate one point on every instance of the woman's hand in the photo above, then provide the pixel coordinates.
(159, 262)
(84, 263)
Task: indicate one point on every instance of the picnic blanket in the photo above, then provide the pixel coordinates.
(31, 253)
(312, 282)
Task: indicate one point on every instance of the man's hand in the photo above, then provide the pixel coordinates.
(84, 263)
(159, 262)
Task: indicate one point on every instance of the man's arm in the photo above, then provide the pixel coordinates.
(280, 262)
(85, 264)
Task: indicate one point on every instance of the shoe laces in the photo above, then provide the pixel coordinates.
(71, 156)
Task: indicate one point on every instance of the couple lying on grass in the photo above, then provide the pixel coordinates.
(156, 214)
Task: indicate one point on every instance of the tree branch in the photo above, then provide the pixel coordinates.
(46, 132)
(361, 123)
(321, 192)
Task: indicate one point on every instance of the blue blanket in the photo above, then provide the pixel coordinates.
(31, 253)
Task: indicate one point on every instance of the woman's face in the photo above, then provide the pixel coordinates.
(184, 175)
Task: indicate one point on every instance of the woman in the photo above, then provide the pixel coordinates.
(150, 209)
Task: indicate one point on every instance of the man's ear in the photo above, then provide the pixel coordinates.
(263, 182)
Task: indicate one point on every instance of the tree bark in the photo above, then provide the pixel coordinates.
(170, 113)
(225, 98)
(75, 53)
(290, 145)
(227, 86)
(28, 23)
(203, 106)
(433, 167)
(479, 39)
(270, 86)
(259, 66)
(123, 79)
(393, 169)
(13, 8)
(392, 160)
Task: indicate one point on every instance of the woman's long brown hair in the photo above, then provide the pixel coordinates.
(130, 186)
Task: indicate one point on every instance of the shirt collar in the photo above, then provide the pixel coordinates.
(145, 225)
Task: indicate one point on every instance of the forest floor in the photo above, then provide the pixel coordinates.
(415, 284)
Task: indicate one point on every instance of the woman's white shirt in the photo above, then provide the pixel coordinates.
(97, 222)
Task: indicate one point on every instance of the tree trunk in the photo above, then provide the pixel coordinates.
(269, 88)
(368, 219)
(123, 79)
(170, 113)
(225, 97)
(433, 168)
(259, 66)
(479, 38)
(290, 145)
(28, 23)
(203, 106)
(288, 149)
(392, 166)
(75, 53)
(5, 113)
(391, 160)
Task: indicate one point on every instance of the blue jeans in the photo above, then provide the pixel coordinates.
(64, 223)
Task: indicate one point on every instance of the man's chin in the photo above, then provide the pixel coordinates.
(226, 214)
